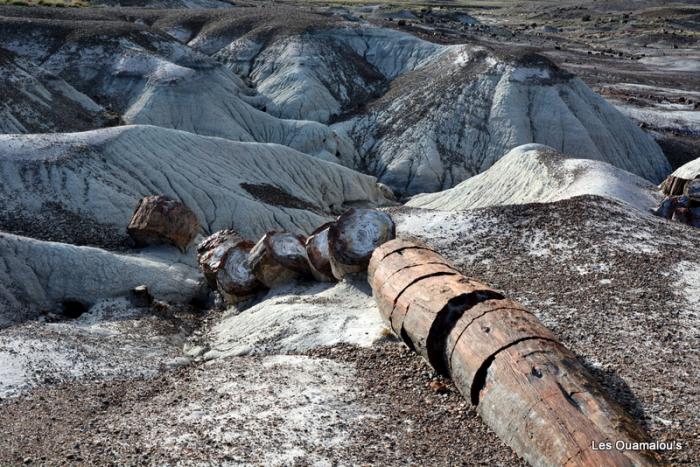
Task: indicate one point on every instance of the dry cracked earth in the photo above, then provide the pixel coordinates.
(262, 116)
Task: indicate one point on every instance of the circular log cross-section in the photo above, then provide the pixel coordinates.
(211, 252)
(531, 390)
(235, 280)
(266, 268)
(318, 253)
(289, 250)
(354, 236)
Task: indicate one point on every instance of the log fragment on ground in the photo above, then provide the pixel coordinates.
(531, 390)
(158, 220)
(212, 251)
(235, 280)
(319, 255)
(266, 268)
(673, 186)
(354, 236)
(289, 250)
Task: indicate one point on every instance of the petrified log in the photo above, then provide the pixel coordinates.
(673, 186)
(211, 252)
(528, 387)
(289, 250)
(278, 258)
(159, 220)
(354, 236)
(235, 279)
(318, 253)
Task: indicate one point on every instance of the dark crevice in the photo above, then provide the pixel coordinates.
(568, 397)
(407, 340)
(445, 322)
(396, 300)
(481, 374)
(73, 309)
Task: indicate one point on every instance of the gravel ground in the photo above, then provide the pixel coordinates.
(617, 286)
(343, 404)
(614, 284)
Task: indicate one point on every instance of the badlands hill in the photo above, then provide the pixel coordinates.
(420, 116)
(534, 173)
(280, 117)
(37, 101)
(85, 186)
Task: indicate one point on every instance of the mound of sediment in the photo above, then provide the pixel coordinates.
(148, 77)
(534, 173)
(96, 178)
(37, 275)
(456, 116)
(36, 101)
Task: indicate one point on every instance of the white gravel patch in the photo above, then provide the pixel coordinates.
(300, 318)
(111, 340)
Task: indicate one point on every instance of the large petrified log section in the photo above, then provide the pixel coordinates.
(278, 258)
(531, 390)
(354, 236)
(212, 252)
(673, 186)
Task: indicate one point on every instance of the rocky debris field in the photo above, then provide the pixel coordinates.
(228, 320)
(378, 406)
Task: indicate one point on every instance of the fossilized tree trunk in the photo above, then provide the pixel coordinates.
(158, 219)
(673, 186)
(354, 236)
(528, 387)
(278, 258)
(319, 255)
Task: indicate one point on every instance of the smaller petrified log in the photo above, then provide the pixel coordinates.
(211, 252)
(354, 236)
(289, 250)
(272, 250)
(318, 253)
(159, 220)
(235, 279)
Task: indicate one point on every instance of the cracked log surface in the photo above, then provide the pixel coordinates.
(530, 389)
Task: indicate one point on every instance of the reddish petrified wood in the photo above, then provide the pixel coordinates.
(211, 252)
(289, 250)
(235, 279)
(158, 219)
(673, 186)
(266, 267)
(530, 389)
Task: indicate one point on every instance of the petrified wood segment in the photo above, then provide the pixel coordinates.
(529, 388)
(158, 219)
(289, 250)
(318, 253)
(673, 186)
(266, 268)
(543, 403)
(212, 251)
(354, 236)
(235, 279)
